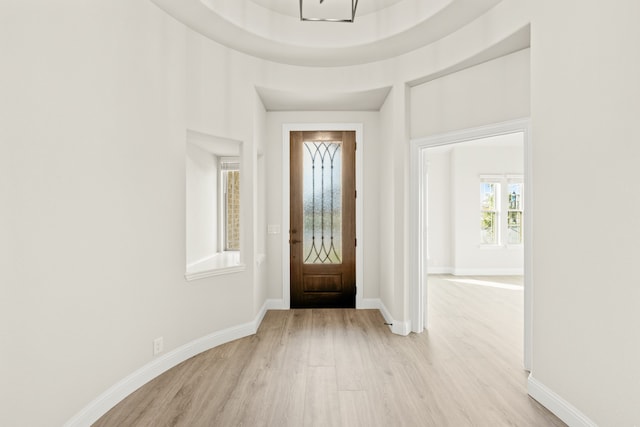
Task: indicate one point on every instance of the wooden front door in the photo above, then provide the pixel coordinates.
(322, 234)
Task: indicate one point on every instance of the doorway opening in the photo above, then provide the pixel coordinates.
(471, 218)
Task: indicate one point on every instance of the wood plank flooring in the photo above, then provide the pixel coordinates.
(338, 367)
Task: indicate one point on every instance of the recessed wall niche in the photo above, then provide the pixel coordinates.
(212, 167)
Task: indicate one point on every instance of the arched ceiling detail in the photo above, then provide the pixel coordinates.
(268, 29)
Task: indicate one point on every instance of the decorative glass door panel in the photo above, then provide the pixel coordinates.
(322, 202)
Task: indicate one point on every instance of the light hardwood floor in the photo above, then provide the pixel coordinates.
(345, 368)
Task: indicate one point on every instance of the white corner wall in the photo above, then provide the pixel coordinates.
(439, 216)
(585, 65)
(260, 202)
(386, 269)
(201, 203)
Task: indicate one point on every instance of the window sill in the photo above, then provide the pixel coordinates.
(215, 265)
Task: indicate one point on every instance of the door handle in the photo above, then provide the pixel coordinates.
(292, 241)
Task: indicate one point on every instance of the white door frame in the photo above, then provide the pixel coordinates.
(418, 229)
(287, 128)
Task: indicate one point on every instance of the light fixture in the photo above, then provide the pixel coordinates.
(332, 11)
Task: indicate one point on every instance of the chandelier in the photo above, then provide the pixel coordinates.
(332, 11)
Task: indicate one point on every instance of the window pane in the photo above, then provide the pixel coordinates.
(488, 195)
(514, 228)
(515, 196)
(488, 235)
(488, 213)
(322, 202)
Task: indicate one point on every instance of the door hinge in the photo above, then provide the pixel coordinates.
(356, 243)
(355, 146)
(356, 290)
(356, 194)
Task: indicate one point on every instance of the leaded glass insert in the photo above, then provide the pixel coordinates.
(322, 202)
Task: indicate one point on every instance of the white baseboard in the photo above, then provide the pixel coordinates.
(275, 304)
(115, 394)
(556, 404)
(476, 271)
(111, 397)
(397, 327)
(440, 270)
(370, 304)
(487, 271)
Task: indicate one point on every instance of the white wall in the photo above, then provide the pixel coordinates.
(386, 209)
(439, 224)
(201, 203)
(260, 203)
(94, 113)
(492, 92)
(585, 92)
(369, 192)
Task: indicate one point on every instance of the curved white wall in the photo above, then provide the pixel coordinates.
(94, 113)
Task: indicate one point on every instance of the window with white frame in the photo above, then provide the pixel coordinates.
(501, 210)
